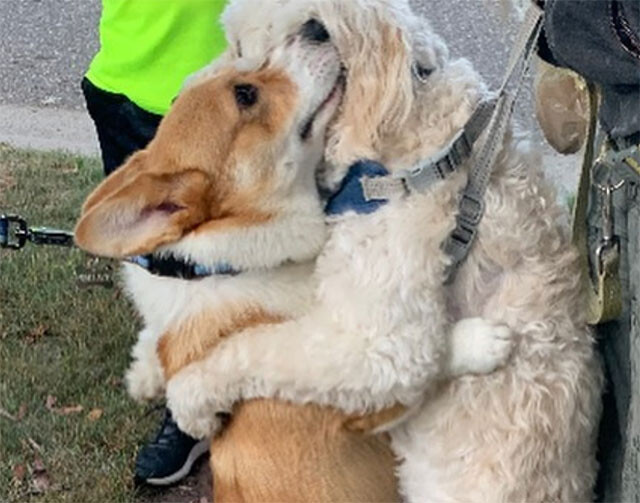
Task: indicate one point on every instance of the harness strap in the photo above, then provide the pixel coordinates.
(436, 168)
(471, 205)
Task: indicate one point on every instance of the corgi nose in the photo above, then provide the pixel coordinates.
(314, 31)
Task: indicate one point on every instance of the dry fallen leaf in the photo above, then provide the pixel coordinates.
(22, 411)
(37, 333)
(19, 471)
(72, 409)
(50, 402)
(95, 414)
(40, 481)
(115, 382)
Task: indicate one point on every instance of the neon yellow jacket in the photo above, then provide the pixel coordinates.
(148, 47)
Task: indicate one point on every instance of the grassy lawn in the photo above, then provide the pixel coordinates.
(68, 431)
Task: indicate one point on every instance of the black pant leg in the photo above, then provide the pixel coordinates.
(123, 128)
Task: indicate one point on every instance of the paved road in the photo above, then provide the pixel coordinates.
(46, 45)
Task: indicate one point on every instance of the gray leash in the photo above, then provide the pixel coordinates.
(471, 206)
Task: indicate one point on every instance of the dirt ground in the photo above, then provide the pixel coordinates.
(197, 488)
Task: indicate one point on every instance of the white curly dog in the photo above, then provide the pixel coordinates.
(377, 334)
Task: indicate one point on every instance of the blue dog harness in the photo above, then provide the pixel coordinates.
(350, 196)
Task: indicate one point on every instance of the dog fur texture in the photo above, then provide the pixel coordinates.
(523, 433)
(232, 182)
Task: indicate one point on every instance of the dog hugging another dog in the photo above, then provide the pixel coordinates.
(352, 369)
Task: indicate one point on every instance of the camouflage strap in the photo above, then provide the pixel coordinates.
(604, 296)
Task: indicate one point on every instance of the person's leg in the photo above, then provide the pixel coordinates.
(123, 128)
(619, 343)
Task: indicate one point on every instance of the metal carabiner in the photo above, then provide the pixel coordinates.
(609, 242)
(7, 231)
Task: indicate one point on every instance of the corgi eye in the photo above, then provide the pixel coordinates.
(314, 31)
(246, 95)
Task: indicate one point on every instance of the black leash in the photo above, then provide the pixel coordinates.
(15, 233)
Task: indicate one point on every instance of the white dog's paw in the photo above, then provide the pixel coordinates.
(478, 346)
(193, 411)
(144, 381)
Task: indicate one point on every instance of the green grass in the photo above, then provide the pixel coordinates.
(60, 340)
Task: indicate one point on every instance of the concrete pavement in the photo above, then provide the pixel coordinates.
(48, 129)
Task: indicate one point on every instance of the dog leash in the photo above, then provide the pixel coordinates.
(490, 118)
(603, 287)
(15, 233)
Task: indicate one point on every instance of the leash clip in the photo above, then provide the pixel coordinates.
(609, 242)
(15, 232)
(53, 237)
(13, 226)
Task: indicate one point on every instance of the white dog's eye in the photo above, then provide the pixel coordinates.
(314, 31)
(421, 72)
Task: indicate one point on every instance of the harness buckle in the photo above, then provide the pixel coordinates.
(463, 234)
(471, 209)
(13, 225)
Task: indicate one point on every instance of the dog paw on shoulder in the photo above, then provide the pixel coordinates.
(479, 346)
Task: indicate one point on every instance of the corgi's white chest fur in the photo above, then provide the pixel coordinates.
(163, 302)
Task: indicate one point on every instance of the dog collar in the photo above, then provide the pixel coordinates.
(172, 267)
(368, 185)
(351, 196)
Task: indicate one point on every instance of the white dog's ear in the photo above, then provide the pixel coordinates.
(429, 50)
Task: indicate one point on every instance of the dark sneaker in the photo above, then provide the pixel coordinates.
(169, 457)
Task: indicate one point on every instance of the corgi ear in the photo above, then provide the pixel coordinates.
(134, 211)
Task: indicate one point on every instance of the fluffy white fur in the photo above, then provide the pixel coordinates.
(377, 331)
(293, 237)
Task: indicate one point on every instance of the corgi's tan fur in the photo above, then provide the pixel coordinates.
(218, 173)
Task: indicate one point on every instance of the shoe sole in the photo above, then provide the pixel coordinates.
(196, 451)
